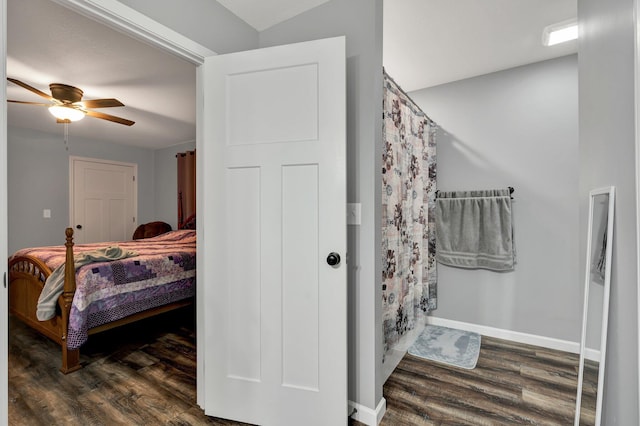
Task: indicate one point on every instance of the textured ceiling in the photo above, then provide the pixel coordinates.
(47, 43)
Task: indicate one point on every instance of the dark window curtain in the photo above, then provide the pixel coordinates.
(186, 186)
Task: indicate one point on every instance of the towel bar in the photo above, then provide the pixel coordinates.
(511, 190)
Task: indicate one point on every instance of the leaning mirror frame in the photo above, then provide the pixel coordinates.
(606, 276)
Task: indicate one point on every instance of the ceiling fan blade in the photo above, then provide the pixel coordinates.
(108, 117)
(101, 103)
(31, 89)
(29, 103)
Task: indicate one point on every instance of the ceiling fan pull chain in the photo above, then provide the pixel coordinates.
(66, 136)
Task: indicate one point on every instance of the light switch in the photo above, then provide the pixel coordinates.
(354, 213)
(46, 213)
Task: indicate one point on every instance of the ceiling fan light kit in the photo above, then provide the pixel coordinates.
(66, 104)
(63, 113)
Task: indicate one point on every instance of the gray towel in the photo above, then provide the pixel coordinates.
(474, 229)
(54, 286)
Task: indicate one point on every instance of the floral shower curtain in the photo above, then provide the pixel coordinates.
(408, 208)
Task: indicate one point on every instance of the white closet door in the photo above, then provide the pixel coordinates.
(103, 200)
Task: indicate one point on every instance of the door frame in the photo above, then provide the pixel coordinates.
(4, 297)
(129, 21)
(636, 61)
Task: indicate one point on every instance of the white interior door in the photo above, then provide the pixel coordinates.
(274, 209)
(102, 200)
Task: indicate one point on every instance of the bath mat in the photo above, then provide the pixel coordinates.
(448, 345)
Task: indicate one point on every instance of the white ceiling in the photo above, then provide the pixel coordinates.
(426, 43)
(263, 14)
(431, 42)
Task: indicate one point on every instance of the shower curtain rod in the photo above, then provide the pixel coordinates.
(413, 105)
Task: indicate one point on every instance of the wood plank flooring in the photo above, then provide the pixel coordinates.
(145, 373)
(139, 374)
(512, 384)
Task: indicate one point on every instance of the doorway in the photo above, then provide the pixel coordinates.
(481, 150)
(133, 26)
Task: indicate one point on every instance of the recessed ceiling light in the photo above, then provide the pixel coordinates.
(560, 32)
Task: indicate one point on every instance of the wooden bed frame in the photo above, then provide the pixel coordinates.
(27, 276)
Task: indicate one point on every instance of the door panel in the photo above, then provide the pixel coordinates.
(282, 104)
(300, 279)
(243, 347)
(89, 216)
(274, 208)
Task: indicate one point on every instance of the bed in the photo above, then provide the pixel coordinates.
(155, 275)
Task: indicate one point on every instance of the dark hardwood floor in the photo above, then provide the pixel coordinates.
(512, 384)
(139, 374)
(144, 374)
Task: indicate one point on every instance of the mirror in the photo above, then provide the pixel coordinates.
(593, 343)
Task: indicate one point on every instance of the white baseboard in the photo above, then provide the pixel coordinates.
(592, 354)
(366, 415)
(515, 336)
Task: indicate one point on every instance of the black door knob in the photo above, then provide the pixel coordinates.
(333, 259)
(78, 226)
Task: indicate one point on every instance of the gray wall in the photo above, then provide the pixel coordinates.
(517, 128)
(361, 22)
(204, 21)
(38, 178)
(166, 182)
(607, 157)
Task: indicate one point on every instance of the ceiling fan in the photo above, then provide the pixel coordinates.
(66, 103)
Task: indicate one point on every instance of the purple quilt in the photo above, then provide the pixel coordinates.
(163, 272)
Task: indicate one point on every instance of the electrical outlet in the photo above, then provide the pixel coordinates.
(46, 213)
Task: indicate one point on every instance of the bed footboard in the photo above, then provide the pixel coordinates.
(27, 276)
